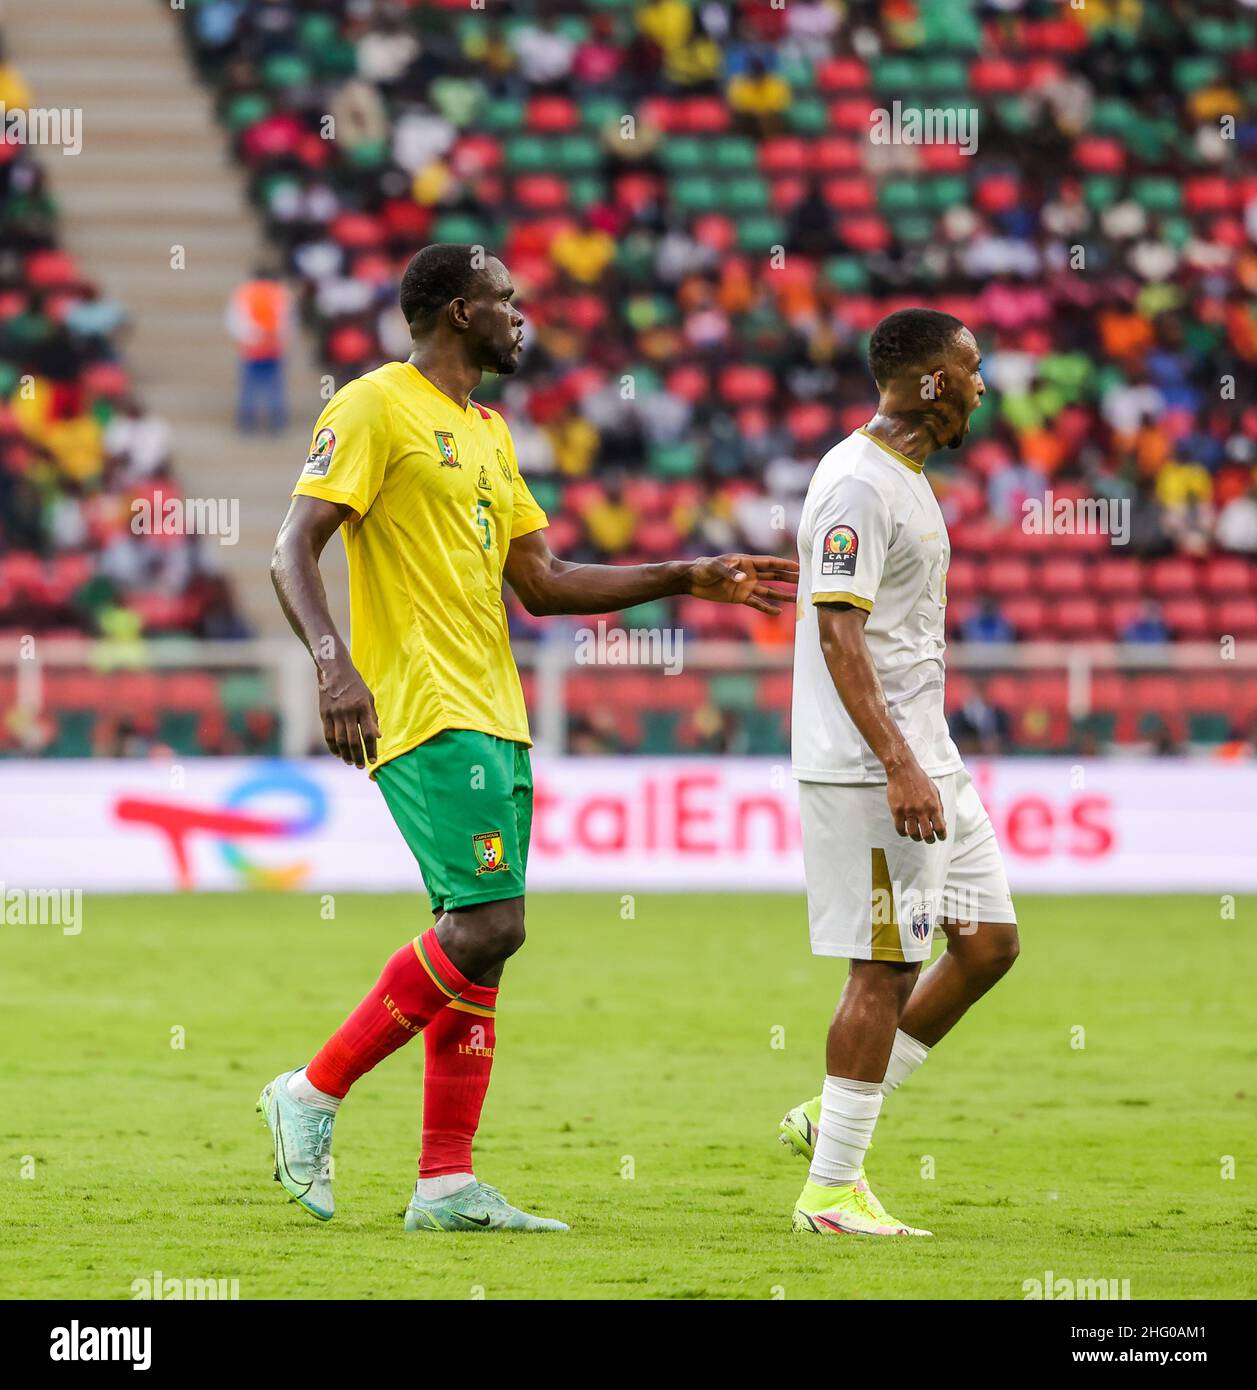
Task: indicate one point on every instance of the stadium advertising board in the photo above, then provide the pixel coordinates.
(624, 824)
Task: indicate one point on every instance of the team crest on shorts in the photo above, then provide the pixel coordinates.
(841, 546)
(489, 852)
(920, 923)
(448, 446)
(320, 459)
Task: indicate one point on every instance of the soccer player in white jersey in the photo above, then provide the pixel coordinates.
(895, 839)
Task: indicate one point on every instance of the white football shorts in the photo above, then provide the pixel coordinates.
(873, 894)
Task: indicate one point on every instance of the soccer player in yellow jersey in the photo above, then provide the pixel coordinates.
(425, 488)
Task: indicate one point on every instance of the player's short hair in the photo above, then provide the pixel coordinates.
(910, 338)
(439, 273)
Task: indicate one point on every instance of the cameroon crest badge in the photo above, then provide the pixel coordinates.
(448, 446)
(489, 853)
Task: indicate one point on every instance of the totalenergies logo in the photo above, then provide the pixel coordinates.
(229, 823)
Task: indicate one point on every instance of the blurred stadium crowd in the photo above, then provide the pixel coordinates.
(703, 234)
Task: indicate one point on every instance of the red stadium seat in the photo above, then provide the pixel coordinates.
(747, 384)
(1171, 577)
(1028, 616)
(786, 154)
(837, 154)
(1236, 617)
(541, 192)
(1063, 576)
(841, 74)
(1229, 576)
(556, 115)
(964, 578)
(1009, 576)
(1078, 618)
(1117, 578)
(853, 193)
(1187, 618)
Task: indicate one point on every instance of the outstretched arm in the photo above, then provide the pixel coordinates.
(350, 726)
(546, 584)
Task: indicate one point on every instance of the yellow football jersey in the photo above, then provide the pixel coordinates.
(437, 498)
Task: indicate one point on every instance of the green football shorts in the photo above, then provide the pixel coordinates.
(463, 802)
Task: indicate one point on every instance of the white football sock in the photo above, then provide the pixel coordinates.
(300, 1089)
(905, 1057)
(849, 1110)
(432, 1189)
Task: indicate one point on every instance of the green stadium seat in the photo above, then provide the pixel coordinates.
(1208, 728)
(246, 110)
(734, 154)
(745, 195)
(760, 233)
(944, 75)
(733, 690)
(1196, 71)
(696, 194)
(597, 112)
(798, 72)
(1100, 191)
(678, 460)
(899, 196)
(74, 734)
(1158, 194)
(899, 75)
(578, 154)
(242, 690)
(764, 732)
(946, 191)
(503, 115)
(547, 492)
(847, 273)
(659, 731)
(684, 154)
(584, 191)
(530, 154)
(808, 116)
(287, 70)
(180, 729)
(460, 227)
(916, 227)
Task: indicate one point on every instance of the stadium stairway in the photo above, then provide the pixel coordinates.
(155, 172)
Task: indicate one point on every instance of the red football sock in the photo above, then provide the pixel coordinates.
(417, 983)
(458, 1057)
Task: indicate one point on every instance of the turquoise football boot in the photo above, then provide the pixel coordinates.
(303, 1147)
(476, 1207)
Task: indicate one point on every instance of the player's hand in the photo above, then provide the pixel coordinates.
(347, 707)
(744, 579)
(915, 803)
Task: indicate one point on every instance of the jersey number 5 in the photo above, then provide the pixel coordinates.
(482, 520)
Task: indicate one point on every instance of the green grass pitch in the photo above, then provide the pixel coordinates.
(642, 1068)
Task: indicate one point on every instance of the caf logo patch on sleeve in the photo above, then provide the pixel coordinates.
(320, 459)
(841, 546)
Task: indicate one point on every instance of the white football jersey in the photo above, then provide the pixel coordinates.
(872, 535)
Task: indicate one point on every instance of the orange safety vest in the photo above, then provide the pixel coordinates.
(263, 304)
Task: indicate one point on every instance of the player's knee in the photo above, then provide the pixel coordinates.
(987, 950)
(503, 928)
(1000, 949)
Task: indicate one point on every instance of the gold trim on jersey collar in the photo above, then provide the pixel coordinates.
(894, 453)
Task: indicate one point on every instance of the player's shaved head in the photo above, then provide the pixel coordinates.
(438, 275)
(911, 341)
(928, 369)
(457, 301)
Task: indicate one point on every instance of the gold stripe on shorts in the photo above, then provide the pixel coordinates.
(885, 943)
